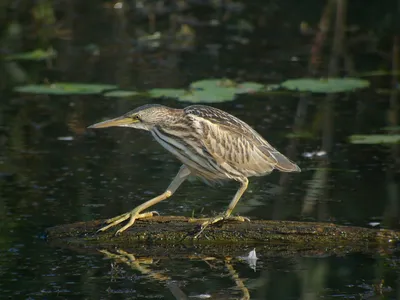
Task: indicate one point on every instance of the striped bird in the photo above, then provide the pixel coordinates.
(210, 143)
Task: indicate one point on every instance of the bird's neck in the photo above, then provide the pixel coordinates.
(173, 116)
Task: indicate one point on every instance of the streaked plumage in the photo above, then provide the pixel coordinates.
(209, 142)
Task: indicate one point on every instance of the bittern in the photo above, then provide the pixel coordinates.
(210, 143)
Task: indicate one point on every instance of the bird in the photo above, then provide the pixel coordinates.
(210, 143)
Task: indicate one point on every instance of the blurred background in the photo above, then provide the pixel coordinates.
(67, 64)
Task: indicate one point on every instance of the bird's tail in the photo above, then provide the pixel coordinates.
(284, 164)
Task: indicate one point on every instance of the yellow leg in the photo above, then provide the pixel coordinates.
(227, 214)
(135, 214)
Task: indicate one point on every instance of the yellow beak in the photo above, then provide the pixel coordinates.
(120, 121)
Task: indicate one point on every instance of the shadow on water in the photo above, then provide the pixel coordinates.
(53, 171)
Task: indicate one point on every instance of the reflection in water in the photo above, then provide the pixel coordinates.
(142, 265)
(314, 69)
(392, 210)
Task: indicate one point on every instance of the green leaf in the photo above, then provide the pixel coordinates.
(329, 85)
(249, 87)
(379, 73)
(213, 83)
(215, 90)
(209, 91)
(167, 93)
(375, 139)
(208, 96)
(301, 135)
(391, 128)
(121, 94)
(387, 91)
(64, 88)
(36, 55)
(272, 87)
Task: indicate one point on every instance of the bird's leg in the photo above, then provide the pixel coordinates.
(227, 214)
(136, 213)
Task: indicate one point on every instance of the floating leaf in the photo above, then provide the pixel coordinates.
(38, 54)
(213, 83)
(249, 87)
(391, 128)
(168, 93)
(375, 139)
(387, 91)
(301, 135)
(272, 87)
(329, 85)
(64, 88)
(208, 96)
(121, 94)
(209, 91)
(379, 73)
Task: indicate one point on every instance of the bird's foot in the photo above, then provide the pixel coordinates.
(132, 216)
(220, 218)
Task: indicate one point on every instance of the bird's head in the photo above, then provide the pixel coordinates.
(144, 117)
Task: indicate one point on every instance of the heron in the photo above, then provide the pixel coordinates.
(210, 143)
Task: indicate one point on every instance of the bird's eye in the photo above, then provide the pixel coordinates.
(136, 118)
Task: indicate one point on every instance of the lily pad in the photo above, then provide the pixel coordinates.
(64, 88)
(121, 94)
(167, 93)
(379, 73)
(387, 91)
(328, 85)
(209, 91)
(301, 135)
(218, 90)
(37, 55)
(213, 83)
(375, 139)
(272, 87)
(391, 128)
(208, 96)
(249, 87)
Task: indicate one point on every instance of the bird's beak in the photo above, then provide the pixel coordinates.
(120, 121)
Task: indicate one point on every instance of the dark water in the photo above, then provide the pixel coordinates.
(53, 171)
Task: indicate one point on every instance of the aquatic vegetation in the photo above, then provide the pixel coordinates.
(121, 94)
(167, 93)
(325, 85)
(64, 88)
(35, 55)
(375, 139)
(210, 91)
(202, 91)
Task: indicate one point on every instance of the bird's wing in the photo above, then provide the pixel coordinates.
(221, 118)
(232, 142)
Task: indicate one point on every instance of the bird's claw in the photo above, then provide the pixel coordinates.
(219, 219)
(132, 216)
(154, 212)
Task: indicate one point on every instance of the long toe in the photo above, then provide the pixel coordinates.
(114, 221)
(147, 214)
(132, 216)
(238, 218)
(218, 219)
(132, 220)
